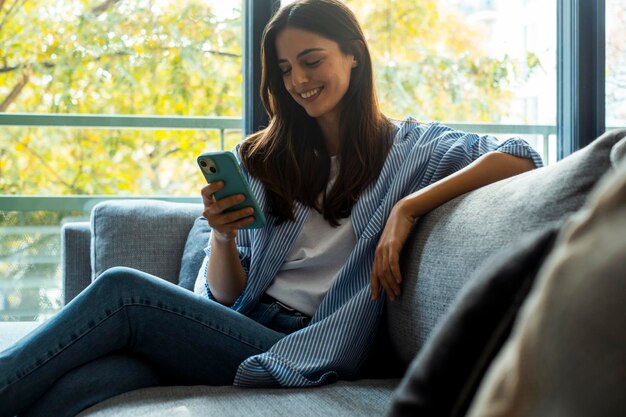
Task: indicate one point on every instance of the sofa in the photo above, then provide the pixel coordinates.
(468, 267)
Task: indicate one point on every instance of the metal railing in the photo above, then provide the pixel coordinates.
(102, 121)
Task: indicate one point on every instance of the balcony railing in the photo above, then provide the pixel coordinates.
(36, 273)
(101, 121)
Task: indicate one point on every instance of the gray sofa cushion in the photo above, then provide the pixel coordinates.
(618, 152)
(449, 243)
(123, 234)
(360, 398)
(445, 374)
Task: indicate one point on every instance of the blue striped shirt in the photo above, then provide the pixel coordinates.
(337, 340)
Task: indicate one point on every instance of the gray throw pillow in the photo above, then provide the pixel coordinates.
(193, 254)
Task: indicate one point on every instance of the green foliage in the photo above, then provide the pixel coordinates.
(167, 57)
(30, 290)
(430, 63)
(115, 57)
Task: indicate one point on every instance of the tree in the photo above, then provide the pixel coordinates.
(431, 65)
(115, 57)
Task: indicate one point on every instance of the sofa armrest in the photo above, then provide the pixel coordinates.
(75, 258)
(148, 235)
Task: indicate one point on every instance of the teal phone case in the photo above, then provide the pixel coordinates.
(223, 166)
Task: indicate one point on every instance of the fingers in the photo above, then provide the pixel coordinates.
(386, 273)
(375, 281)
(208, 191)
(208, 197)
(394, 268)
(231, 218)
(228, 231)
(227, 221)
(219, 206)
(215, 211)
(213, 206)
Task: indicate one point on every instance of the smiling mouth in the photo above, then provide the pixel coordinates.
(311, 93)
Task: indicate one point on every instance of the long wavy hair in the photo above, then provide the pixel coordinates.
(289, 156)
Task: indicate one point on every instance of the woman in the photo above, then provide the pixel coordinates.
(297, 302)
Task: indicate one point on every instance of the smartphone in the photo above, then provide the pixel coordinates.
(222, 166)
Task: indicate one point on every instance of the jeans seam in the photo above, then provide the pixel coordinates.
(210, 325)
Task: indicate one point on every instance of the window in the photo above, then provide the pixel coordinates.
(484, 66)
(108, 99)
(615, 63)
(133, 57)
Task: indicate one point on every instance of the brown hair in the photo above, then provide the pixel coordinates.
(290, 156)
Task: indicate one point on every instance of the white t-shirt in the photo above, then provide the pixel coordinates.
(317, 255)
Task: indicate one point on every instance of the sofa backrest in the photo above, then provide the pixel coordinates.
(449, 244)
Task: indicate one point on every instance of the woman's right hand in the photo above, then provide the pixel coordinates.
(224, 224)
(225, 275)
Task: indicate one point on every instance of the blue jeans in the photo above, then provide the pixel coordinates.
(131, 330)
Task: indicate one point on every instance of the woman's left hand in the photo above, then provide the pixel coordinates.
(490, 167)
(386, 268)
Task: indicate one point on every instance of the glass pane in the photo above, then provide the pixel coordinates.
(615, 64)
(161, 57)
(484, 62)
(30, 275)
(68, 162)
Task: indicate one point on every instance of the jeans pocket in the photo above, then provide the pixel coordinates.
(278, 318)
(264, 313)
(288, 322)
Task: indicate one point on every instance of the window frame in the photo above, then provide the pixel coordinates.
(581, 65)
(257, 13)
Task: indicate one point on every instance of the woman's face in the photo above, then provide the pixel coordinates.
(315, 72)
